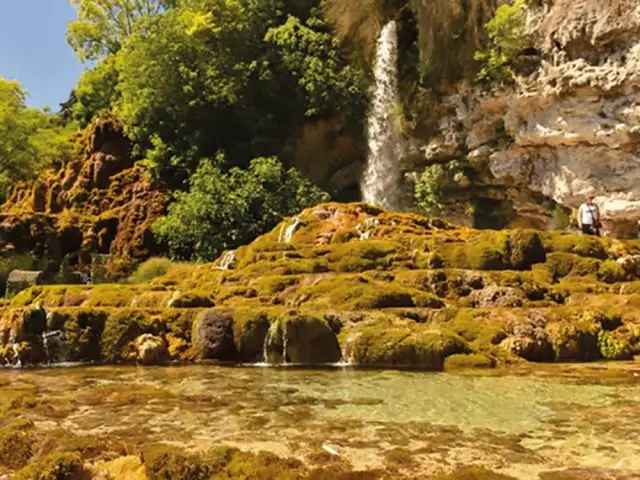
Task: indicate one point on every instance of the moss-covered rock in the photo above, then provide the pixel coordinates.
(54, 466)
(250, 329)
(391, 344)
(396, 288)
(302, 338)
(620, 344)
(575, 340)
(525, 249)
(17, 444)
(473, 360)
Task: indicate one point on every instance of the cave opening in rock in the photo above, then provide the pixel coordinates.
(490, 213)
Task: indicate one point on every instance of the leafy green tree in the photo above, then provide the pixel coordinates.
(311, 54)
(224, 210)
(103, 26)
(96, 92)
(30, 140)
(237, 76)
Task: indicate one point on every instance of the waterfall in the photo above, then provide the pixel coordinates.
(381, 180)
(55, 346)
(286, 234)
(228, 261)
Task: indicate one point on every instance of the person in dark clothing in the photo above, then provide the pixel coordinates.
(589, 217)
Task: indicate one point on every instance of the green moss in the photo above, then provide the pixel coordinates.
(262, 466)
(619, 344)
(54, 466)
(581, 245)
(611, 272)
(16, 443)
(485, 251)
(122, 327)
(273, 284)
(192, 299)
(164, 462)
(525, 249)
(359, 256)
(250, 329)
(403, 345)
(83, 329)
(286, 266)
(480, 328)
(575, 339)
(462, 361)
(561, 265)
(111, 296)
(302, 338)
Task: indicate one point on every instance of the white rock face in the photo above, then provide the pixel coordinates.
(572, 128)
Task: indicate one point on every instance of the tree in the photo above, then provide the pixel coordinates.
(96, 92)
(225, 210)
(237, 76)
(103, 26)
(30, 140)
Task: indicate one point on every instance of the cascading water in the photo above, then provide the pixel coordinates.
(286, 233)
(381, 180)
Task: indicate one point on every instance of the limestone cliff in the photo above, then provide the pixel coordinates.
(102, 204)
(569, 128)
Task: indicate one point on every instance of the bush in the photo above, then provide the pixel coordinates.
(224, 210)
(430, 188)
(150, 269)
(507, 34)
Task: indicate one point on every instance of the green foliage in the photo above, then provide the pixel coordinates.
(224, 210)
(103, 26)
(150, 269)
(431, 186)
(30, 140)
(507, 34)
(96, 91)
(238, 77)
(311, 54)
(616, 345)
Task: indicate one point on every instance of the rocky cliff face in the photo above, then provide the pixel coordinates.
(102, 204)
(569, 129)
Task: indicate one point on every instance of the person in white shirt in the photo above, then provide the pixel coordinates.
(589, 217)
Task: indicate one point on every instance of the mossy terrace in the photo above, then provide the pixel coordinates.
(357, 284)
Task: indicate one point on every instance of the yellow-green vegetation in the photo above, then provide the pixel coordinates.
(150, 269)
(508, 38)
(357, 283)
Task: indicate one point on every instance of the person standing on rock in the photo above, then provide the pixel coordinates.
(589, 217)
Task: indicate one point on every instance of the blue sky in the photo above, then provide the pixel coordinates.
(34, 51)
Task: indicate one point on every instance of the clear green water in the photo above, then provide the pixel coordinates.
(521, 425)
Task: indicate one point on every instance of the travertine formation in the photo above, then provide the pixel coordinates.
(102, 204)
(355, 284)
